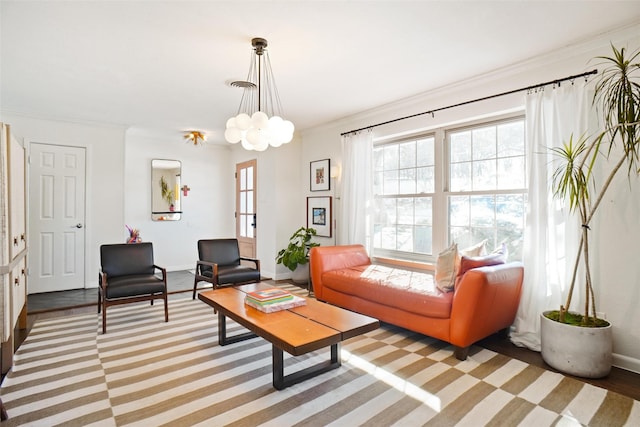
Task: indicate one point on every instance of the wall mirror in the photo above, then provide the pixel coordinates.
(166, 181)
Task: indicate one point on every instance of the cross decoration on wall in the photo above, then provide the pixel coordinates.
(185, 190)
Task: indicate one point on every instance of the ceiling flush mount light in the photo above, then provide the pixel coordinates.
(196, 137)
(259, 123)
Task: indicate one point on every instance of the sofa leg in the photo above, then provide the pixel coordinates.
(461, 353)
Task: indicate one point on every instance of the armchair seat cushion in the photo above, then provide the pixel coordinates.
(128, 286)
(237, 274)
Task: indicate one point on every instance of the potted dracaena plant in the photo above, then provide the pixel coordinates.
(296, 255)
(580, 343)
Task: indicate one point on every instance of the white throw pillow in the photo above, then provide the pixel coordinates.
(446, 268)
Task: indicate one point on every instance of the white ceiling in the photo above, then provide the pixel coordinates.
(167, 65)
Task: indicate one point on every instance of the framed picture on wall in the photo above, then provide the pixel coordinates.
(319, 215)
(320, 179)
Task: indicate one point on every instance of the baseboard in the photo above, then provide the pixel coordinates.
(626, 362)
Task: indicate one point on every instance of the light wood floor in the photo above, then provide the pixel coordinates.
(180, 284)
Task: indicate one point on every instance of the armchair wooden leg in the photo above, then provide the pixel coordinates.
(195, 285)
(104, 319)
(166, 309)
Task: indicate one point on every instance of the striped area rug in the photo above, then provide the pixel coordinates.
(145, 372)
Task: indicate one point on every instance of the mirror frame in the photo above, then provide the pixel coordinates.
(166, 181)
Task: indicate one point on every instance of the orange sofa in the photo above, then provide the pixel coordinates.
(485, 299)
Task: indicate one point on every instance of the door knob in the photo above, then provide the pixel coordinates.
(78, 225)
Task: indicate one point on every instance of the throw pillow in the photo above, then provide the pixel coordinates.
(474, 250)
(498, 256)
(446, 268)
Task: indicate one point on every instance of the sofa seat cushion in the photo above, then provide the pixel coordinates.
(406, 290)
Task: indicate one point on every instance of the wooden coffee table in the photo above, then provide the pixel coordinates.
(297, 331)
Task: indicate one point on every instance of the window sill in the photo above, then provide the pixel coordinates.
(421, 266)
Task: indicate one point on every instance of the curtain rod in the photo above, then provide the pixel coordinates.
(536, 86)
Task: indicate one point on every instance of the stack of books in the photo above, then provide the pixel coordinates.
(273, 299)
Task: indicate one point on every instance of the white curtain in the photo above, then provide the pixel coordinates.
(356, 198)
(551, 236)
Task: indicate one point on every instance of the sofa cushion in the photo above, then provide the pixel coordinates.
(403, 289)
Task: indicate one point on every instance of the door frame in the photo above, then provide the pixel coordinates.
(244, 242)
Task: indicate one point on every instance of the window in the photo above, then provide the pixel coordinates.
(404, 184)
(487, 179)
(482, 195)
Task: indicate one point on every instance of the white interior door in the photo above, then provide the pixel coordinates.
(56, 218)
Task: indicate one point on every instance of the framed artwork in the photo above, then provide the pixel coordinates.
(320, 179)
(319, 215)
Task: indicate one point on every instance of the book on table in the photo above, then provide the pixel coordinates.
(277, 305)
(269, 296)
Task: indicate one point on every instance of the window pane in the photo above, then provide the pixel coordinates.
(482, 211)
(391, 157)
(405, 238)
(460, 146)
(484, 143)
(243, 202)
(389, 211)
(243, 179)
(484, 175)
(511, 139)
(388, 238)
(423, 211)
(425, 182)
(405, 211)
(408, 154)
(407, 181)
(461, 177)
(250, 178)
(249, 226)
(422, 240)
(250, 202)
(390, 185)
(459, 211)
(425, 153)
(378, 158)
(511, 173)
(243, 226)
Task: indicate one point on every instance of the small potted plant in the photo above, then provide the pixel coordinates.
(296, 255)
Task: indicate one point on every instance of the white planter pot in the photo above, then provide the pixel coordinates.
(301, 274)
(576, 350)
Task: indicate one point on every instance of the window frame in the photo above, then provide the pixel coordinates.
(442, 185)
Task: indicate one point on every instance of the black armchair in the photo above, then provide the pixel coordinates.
(128, 274)
(220, 264)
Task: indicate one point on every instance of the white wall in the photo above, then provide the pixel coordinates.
(617, 230)
(207, 210)
(105, 176)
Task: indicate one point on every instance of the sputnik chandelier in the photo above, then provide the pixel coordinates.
(259, 123)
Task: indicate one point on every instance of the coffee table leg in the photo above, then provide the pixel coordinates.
(222, 332)
(280, 380)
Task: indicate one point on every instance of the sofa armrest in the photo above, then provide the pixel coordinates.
(485, 301)
(329, 258)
